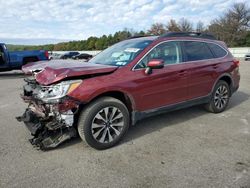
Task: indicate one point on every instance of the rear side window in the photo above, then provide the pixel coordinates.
(197, 51)
(217, 50)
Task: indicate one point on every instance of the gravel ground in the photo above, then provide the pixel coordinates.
(185, 148)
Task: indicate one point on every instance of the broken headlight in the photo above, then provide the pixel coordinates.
(57, 91)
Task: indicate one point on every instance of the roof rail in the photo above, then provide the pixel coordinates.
(138, 36)
(189, 34)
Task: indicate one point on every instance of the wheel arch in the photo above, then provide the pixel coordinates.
(228, 79)
(120, 95)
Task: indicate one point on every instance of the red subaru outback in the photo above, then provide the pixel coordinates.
(125, 83)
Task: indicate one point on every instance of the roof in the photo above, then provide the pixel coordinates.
(176, 35)
(189, 34)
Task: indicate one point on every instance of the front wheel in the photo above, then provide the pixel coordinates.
(220, 98)
(104, 122)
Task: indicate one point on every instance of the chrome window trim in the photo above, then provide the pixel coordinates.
(133, 69)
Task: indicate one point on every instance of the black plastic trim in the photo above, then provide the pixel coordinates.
(189, 34)
(137, 115)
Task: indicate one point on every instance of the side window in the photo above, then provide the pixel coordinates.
(170, 52)
(197, 51)
(217, 50)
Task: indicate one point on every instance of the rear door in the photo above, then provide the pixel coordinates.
(202, 68)
(165, 86)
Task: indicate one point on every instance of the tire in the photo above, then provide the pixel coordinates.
(220, 98)
(103, 123)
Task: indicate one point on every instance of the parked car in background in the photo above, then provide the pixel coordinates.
(69, 55)
(15, 60)
(83, 56)
(247, 57)
(125, 83)
(55, 56)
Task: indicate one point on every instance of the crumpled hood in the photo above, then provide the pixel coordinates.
(56, 70)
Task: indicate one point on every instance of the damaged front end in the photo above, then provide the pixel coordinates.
(50, 116)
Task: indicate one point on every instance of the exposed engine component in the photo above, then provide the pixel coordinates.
(48, 134)
(48, 140)
(68, 118)
(50, 124)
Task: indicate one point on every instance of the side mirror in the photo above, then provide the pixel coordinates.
(154, 64)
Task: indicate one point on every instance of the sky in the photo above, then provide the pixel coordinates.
(52, 21)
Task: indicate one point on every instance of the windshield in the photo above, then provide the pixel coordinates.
(121, 53)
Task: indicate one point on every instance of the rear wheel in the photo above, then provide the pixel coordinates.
(220, 98)
(103, 123)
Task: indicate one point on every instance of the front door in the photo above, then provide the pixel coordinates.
(165, 86)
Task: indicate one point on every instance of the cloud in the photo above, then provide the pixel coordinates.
(79, 19)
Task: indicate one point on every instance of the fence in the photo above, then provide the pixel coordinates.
(240, 52)
(87, 52)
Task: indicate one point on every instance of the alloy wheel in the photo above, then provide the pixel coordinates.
(221, 97)
(107, 124)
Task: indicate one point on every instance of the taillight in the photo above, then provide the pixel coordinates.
(236, 62)
(46, 54)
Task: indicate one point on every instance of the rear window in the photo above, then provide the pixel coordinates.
(217, 50)
(197, 51)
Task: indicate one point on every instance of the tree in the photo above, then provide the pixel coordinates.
(232, 27)
(240, 14)
(200, 27)
(140, 33)
(172, 26)
(185, 25)
(91, 43)
(157, 29)
(122, 35)
(101, 43)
